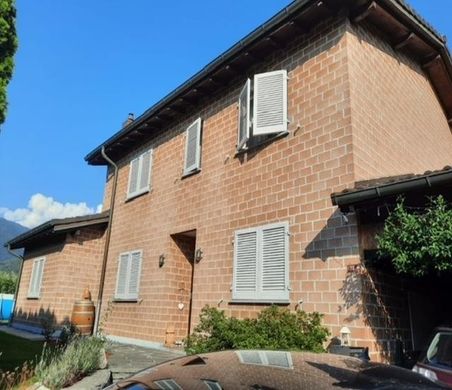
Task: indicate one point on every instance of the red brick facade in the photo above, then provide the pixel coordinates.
(71, 264)
(357, 110)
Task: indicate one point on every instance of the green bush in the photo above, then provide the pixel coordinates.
(274, 328)
(419, 242)
(8, 282)
(61, 368)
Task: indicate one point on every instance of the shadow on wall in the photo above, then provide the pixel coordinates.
(338, 238)
(42, 319)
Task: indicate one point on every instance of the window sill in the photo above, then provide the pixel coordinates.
(191, 173)
(126, 300)
(134, 196)
(278, 302)
(33, 298)
(257, 145)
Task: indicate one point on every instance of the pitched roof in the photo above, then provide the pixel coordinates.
(369, 190)
(395, 18)
(57, 226)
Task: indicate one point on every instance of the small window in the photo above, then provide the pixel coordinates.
(168, 384)
(128, 279)
(268, 112)
(261, 264)
(140, 174)
(279, 359)
(212, 385)
(193, 147)
(34, 287)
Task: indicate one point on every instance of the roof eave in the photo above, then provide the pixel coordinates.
(426, 182)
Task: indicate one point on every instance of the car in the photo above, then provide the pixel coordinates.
(436, 363)
(270, 370)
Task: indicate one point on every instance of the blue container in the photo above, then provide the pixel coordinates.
(6, 306)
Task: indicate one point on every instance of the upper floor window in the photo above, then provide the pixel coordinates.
(261, 264)
(268, 113)
(128, 279)
(34, 287)
(193, 147)
(140, 174)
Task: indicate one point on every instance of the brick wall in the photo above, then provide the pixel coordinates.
(286, 180)
(398, 123)
(71, 265)
(339, 133)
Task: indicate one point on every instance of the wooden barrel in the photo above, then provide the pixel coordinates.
(83, 316)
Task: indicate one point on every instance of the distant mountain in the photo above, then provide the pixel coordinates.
(8, 230)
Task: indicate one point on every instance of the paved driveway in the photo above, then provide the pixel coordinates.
(124, 360)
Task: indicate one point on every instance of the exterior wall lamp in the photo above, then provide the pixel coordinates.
(198, 255)
(161, 260)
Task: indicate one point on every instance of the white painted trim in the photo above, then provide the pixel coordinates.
(142, 343)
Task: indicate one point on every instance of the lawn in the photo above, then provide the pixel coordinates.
(15, 351)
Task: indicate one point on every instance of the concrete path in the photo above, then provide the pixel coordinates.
(124, 360)
(21, 333)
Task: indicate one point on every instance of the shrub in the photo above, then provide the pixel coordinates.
(419, 242)
(8, 282)
(274, 328)
(63, 367)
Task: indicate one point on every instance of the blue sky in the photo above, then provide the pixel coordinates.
(83, 65)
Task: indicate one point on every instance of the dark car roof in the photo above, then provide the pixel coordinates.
(275, 370)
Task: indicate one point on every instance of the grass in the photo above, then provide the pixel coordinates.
(15, 351)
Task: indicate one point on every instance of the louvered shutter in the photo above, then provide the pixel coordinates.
(39, 278)
(36, 278)
(32, 285)
(133, 177)
(121, 283)
(244, 115)
(193, 147)
(270, 102)
(274, 281)
(245, 265)
(145, 171)
(134, 275)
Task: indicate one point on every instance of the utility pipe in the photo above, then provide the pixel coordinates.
(21, 266)
(107, 241)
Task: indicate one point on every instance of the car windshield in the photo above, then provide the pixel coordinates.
(440, 349)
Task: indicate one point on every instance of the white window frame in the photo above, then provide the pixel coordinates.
(196, 166)
(241, 142)
(147, 188)
(259, 295)
(37, 292)
(127, 295)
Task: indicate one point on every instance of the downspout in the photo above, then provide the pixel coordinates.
(107, 241)
(21, 267)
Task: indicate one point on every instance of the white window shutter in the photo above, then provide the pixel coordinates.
(193, 147)
(145, 171)
(121, 283)
(274, 282)
(270, 102)
(245, 265)
(244, 115)
(37, 272)
(134, 275)
(133, 176)
(32, 285)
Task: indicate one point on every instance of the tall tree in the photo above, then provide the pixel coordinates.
(8, 46)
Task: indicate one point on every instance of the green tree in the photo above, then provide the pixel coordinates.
(419, 242)
(8, 282)
(8, 46)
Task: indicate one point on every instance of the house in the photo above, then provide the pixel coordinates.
(223, 187)
(61, 258)
(229, 192)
